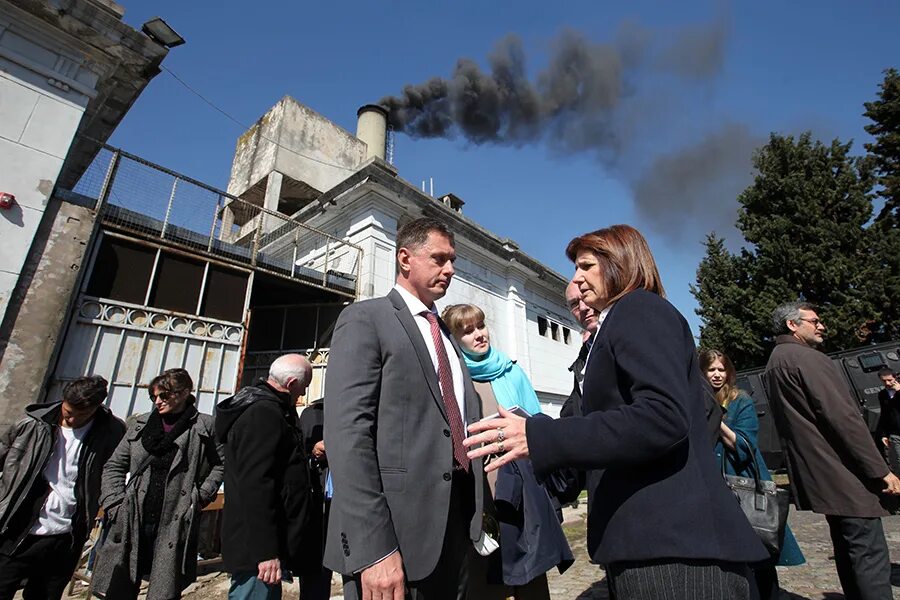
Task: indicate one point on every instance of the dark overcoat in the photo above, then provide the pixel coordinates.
(655, 490)
(833, 464)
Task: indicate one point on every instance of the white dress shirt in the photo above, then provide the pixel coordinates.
(416, 307)
(61, 473)
(600, 318)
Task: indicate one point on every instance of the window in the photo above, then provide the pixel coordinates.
(299, 327)
(121, 271)
(542, 326)
(177, 284)
(554, 330)
(223, 297)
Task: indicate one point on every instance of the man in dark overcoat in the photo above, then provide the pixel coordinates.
(834, 466)
(587, 318)
(267, 495)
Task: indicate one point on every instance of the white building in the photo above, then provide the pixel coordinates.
(295, 160)
(69, 72)
(180, 274)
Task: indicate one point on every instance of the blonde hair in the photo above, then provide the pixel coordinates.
(457, 316)
(729, 390)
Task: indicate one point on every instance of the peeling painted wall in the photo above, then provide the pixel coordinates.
(34, 329)
(38, 119)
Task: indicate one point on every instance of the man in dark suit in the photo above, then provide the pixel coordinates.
(407, 501)
(834, 467)
(889, 422)
(587, 317)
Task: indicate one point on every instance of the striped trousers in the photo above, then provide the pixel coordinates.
(681, 579)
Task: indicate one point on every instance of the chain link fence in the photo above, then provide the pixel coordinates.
(138, 196)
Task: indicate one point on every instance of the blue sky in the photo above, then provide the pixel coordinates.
(781, 66)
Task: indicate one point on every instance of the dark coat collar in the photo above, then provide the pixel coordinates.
(787, 338)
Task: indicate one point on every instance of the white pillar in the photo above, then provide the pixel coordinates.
(273, 191)
(516, 332)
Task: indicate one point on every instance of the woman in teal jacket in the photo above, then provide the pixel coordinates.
(740, 419)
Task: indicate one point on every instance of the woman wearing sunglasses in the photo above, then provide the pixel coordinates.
(164, 471)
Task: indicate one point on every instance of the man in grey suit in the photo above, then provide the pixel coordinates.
(407, 501)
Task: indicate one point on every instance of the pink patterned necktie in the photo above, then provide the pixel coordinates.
(445, 376)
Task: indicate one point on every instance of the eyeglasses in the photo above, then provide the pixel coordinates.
(813, 322)
(165, 395)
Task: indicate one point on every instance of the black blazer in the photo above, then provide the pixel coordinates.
(889, 420)
(655, 490)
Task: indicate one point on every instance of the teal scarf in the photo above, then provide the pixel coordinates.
(508, 380)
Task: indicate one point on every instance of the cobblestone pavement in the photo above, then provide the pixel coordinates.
(816, 580)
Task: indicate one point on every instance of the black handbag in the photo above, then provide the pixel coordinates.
(765, 505)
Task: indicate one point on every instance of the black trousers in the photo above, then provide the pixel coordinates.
(861, 557)
(680, 580)
(46, 561)
(766, 576)
(316, 586)
(450, 578)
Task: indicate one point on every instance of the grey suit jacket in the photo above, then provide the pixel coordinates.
(388, 442)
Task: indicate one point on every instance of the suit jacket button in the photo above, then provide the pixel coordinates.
(447, 477)
(346, 552)
(446, 433)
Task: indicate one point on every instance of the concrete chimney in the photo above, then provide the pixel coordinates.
(371, 128)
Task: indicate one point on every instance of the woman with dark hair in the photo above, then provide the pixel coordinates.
(660, 517)
(164, 471)
(739, 428)
(531, 539)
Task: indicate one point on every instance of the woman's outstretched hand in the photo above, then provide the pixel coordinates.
(503, 437)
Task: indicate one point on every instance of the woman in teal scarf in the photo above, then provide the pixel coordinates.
(531, 539)
(487, 364)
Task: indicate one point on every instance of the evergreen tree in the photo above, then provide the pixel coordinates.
(885, 149)
(804, 218)
(722, 290)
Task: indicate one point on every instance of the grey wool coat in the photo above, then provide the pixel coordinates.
(194, 478)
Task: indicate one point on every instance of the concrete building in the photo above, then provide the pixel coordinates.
(294, 159)
(308, 224)
(178, 273)
(69, 71)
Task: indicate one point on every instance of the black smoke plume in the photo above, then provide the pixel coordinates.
(616, 100)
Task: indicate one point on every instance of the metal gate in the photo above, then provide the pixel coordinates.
(130, 344)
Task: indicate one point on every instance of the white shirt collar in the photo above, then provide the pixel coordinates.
(415, 305)
(600, 318)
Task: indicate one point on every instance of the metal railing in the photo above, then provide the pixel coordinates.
(136, 195)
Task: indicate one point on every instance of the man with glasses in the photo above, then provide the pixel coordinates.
(834, 466)
(587, 317)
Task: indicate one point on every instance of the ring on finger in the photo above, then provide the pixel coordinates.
(500, 447)
(501, 435)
